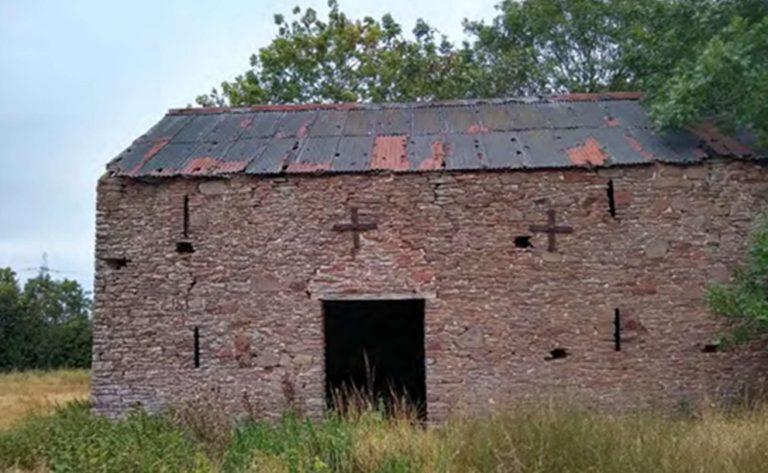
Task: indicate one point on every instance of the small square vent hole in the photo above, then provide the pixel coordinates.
(523, 241)
(184, 248)
(116, 263)
(557, 354)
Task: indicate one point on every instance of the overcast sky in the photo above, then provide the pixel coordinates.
(80, 79)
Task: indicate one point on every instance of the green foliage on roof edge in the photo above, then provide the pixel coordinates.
(694, 59)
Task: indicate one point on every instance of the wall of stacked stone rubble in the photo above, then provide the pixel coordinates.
(265, 256)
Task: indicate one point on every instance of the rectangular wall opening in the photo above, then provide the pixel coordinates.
(375, 348)
(611, 198)
(185, 223)
(196, 347)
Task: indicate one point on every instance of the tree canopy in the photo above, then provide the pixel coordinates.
(694, 59)
(44, 325)
(344, 60)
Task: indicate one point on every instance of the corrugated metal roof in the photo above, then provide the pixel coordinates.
(579, 130)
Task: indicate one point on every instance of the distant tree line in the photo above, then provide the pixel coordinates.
(694, 59)
(44, 325)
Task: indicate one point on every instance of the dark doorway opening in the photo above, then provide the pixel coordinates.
(375, 348)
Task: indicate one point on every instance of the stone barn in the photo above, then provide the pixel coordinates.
(460, 254)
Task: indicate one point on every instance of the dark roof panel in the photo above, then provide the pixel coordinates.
(168, 161)
(465, 152)
(132, 159)
(359, 123)
(628, 113)
(393, 121)
(428, 152)
(246, 150)
(198, 128)
(463, 120)
(329, 123)
(296, 124)
(208, 158)
(273, 157)
(580, 115)
(259, 125)
(316, 155)
(544, 150)
(503, 150)
(167, 128)
(355, 154)
(577, 130)
(427, 121)
(228, 129)
(523, 116)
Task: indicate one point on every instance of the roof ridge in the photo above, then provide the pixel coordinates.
(574, 97)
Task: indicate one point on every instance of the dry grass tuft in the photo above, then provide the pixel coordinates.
(35, 392)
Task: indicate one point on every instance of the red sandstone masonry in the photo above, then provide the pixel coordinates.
(266, 256)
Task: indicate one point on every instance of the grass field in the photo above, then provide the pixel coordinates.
(36, 391)
(543, 439)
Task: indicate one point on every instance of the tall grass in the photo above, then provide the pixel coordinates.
(543, 439)
(29, 392)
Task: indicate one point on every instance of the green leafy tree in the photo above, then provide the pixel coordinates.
(11, 320)
(744, 301)
(342, 60)
(59, 312)
(552, 46)
(700, 59)
(44, 326)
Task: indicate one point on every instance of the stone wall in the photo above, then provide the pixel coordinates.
(265, 256)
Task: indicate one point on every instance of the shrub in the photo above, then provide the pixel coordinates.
(74, 440)
(293, 444)
(744, 301)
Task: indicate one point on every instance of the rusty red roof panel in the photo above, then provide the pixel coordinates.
(575, 130)
(590, 153)
(390, 153)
